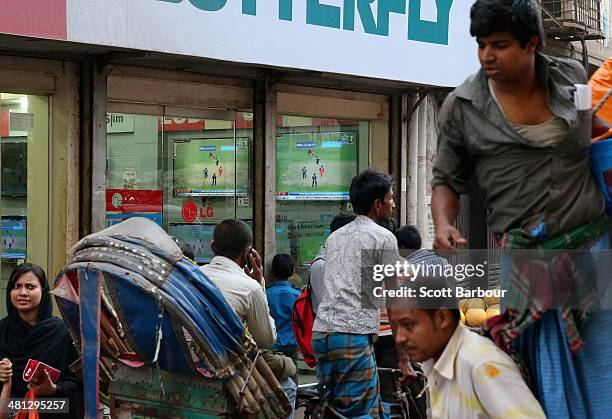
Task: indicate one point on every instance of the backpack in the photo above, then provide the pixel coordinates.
(302, 319)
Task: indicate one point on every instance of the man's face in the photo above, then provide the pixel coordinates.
(502, 57)
(386, 206)
(419, 334)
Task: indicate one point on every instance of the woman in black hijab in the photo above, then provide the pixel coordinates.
(31, 332)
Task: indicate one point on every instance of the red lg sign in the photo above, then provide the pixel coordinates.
(190, 212)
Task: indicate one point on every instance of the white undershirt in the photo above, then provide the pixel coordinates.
(549, 133)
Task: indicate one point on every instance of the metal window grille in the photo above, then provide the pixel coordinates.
(572, 18)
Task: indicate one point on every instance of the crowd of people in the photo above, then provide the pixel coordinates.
(512, 128)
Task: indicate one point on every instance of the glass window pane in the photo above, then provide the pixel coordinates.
(195, 173)
(133, 162)
(316, 160)
(24, 179)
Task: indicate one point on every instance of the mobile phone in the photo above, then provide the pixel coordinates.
(34, 371)
(248, 261)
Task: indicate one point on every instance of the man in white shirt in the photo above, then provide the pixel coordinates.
(317, 269)
(237, 271)
(346, 324)
(467, 375)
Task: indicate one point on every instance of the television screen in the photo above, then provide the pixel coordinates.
(315, 166)
(199, 236)
(211, 167)
(13, 237)
(14, 168)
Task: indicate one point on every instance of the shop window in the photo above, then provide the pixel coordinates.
(24, 180)
(187, 174)
(316, 160)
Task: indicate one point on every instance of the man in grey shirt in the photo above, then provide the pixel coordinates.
(514, 129)
(317, 269)
(344, 327)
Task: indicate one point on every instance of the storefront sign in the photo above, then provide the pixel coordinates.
(42, 19)
(119, 123)
(408, 40)
(133, 200)
(182, 124)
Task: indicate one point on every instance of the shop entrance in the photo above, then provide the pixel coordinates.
(24, 179)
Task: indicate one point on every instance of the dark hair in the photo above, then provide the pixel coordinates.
(23, 269)
(429, 304)
(283, 266)
(232, 237)
(522, 18)
(408, 237)
(187, 250)
(366, 188)
(389, 224)
(341, 220)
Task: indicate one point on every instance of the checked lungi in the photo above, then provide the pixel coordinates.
(565, 351)
(346, 365)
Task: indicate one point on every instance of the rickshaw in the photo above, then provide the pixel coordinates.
(157, 337)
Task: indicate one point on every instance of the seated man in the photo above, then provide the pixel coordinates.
(468, 376)
(281, 297)
(237, 271)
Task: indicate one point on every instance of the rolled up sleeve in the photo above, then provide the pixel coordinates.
(259, 321)
(451, 167)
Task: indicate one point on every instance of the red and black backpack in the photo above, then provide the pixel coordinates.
(302, 319)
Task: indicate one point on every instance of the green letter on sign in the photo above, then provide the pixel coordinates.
(249, 7)
(285, 10)
(431, 32)
(322, 14)
(209, 5)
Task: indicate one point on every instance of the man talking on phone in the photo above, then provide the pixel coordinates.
(237, 271)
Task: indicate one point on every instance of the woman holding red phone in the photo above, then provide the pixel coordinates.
(30, 331)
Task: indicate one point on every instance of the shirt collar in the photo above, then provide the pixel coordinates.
(364, 219)
(476, 89)
(280, 283)
(228, 264)
(445, 365)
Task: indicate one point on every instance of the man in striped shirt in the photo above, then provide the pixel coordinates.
(409, 242)
(237, 271)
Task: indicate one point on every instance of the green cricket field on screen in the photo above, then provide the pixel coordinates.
(211, 167)
(315, 165)
(13, 237)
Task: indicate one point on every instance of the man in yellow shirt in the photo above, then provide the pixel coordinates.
(467, 375)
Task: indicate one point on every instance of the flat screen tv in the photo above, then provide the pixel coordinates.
(211, 167)
(13, 237)
(315, 166)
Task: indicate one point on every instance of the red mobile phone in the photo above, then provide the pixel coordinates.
(34, 372)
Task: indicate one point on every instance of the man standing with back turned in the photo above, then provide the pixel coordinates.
(344, 328)
(513, 128)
